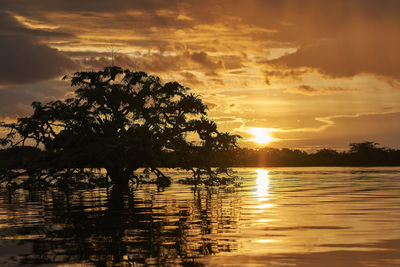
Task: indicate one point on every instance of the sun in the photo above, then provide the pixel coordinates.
(261, 135)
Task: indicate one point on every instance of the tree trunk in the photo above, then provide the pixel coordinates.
(119, 177)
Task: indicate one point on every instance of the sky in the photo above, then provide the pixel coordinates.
(309, 74)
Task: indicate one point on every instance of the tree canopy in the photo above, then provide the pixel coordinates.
(120, 121)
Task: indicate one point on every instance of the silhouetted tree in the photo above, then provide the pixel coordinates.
(367, 153)
(325, 157)
(120, 121)
(364, 147)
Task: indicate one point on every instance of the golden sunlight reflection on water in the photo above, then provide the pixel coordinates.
(262, 183)
(262, 191)
(300, 210)
(348, 216)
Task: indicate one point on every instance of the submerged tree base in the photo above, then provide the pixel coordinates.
(211, 177)
(80, 179)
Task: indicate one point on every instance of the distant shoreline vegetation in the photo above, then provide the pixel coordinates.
(359, 154)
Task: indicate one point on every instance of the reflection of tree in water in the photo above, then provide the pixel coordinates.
(218, 213)
(141, 228)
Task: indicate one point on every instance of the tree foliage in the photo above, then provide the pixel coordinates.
(120, 121)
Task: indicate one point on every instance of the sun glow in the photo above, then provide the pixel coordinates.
(261, 135)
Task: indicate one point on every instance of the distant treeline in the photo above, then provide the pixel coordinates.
(359, 154)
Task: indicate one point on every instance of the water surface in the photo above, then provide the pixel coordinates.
(278, 217)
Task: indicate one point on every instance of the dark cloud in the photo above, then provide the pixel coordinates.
(210, 65)
(191, 79)
(372, 53)
(210, 106)
(306, 88)
(310, 90)
(155, 62)
(11, 27)
(218, 81)
(340, 38)
(15, 100)
(85, 6)
(24, 59)
(283, 74)
(149, 62)
(95, 61)
(232, 62)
